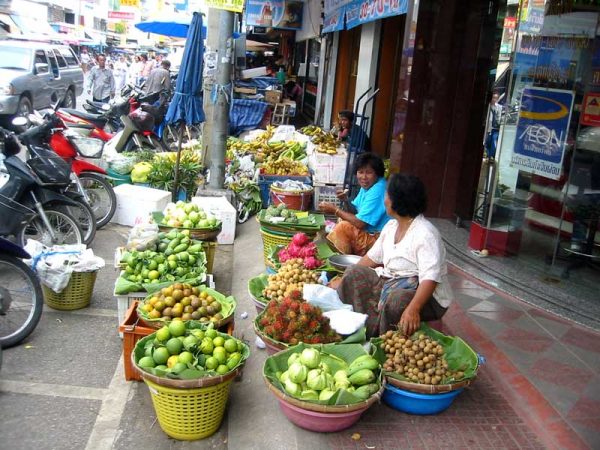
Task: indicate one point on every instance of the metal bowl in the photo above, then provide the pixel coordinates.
(341, 262)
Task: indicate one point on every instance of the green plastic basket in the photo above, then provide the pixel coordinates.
(76, 295)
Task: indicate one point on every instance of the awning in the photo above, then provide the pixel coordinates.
(340, 14)
(96, 37)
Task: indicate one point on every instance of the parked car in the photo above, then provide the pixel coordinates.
(36, 75)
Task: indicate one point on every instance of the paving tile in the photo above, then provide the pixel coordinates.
(552, 324)
(491, 327)
(592, 437)
(585, 408)
(492, 304)
(592, 390)
(481, 293)
(463, 283)
(520, 357)
(525, 340)
(527, 323)
(505, 315)
(563, 376)
(583, 339)
(466, 300)
(591, 359)
(562, 400)
(567, 354)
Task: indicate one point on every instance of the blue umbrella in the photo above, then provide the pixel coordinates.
(186, 105)
(175, 27)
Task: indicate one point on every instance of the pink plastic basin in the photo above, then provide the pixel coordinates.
(318, 421)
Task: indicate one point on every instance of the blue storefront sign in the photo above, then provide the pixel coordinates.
(363, 11)
(542, 131)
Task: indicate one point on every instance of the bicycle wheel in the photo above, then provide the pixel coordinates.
(102, 198)
(84, 216)
(65, 228)
(21, 301)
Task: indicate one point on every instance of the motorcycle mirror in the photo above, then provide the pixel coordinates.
(20, 121)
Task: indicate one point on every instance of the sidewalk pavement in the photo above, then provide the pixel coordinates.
(64, 387)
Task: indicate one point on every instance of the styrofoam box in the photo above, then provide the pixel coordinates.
(136, 203)
(328, 169)
(256, 72)
(125, 301)
(222, 210)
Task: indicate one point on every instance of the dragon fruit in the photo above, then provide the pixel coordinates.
(312, 263)
(300, 239)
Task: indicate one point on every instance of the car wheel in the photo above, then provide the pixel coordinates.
(70, 101)
(24, 108)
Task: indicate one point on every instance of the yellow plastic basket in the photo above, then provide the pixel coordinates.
(270, 241)
(76, 295)
(210, 248)
(189, 414)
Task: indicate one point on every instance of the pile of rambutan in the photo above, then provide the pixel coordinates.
(293, 320)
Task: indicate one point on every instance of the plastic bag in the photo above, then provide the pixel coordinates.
(324, 297)
(140, 172)
(345, 322)
(54, 265)
(143, 236)
(122, 164)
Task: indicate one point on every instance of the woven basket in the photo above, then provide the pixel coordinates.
(273, 346)
(76, 295)
(271, 240)
(298, 200)
(201, 235)
(190, 413)
(333, 409)
(428, 388)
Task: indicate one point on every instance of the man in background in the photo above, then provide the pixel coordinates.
(493, 126)
(101, 82)
(159, 79)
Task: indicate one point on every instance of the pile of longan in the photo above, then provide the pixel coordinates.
(420, 359)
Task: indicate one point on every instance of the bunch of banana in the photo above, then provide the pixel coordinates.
(284, 166)
(312, 130)
(292, 150)
(187, 155)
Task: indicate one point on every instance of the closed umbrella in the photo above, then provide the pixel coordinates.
(186, 105)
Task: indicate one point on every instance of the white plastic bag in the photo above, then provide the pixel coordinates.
(54, 265)
(345, 322)
(142, 236)
(324, 297)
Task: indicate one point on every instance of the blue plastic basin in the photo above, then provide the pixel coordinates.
(421, 404)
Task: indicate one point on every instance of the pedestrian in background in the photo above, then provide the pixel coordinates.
(159, 79)
(85, 60)
(120, 73)
(147, 67)
(135, 71)
(101, 82)
(493, 126)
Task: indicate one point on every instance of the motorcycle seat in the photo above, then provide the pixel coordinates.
(96, 119)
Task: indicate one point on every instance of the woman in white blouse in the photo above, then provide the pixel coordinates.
(402, 280)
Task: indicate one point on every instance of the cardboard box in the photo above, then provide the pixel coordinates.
(273, 97)
(136, 203)
(253, 73)
(327, 169)
(245, 90)
(222, 210)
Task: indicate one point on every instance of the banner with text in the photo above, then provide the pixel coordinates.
(228, 5)
(542, 131)
(282, 14)
(363, 11)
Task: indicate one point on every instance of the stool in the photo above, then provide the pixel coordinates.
(280, 114)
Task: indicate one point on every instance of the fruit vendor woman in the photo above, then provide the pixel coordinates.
(402, 280)
(361, 221)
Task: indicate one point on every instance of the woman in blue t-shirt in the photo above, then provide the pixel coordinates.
(359, 225)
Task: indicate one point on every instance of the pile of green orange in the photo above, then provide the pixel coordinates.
(186, 302)
(180, 351)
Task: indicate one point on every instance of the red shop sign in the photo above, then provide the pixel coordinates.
(590, 111)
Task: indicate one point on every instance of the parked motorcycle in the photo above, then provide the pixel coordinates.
(21, 299)
(89, 180)
(29, 207)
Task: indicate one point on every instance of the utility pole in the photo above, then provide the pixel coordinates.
(220, 126)
(212, 42)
